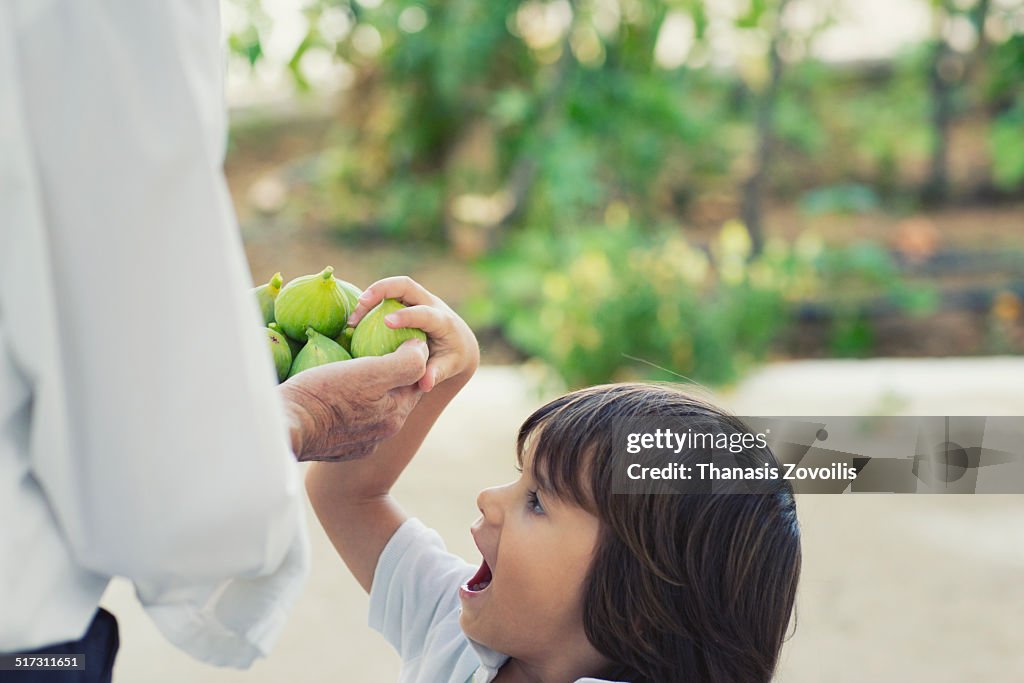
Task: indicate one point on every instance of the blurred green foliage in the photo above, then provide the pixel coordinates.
(556, 109)
(603, 303)
(622, 303)
(569, 144)
(1005, 93)
(858, 277)
(846, 198)
(560, 108)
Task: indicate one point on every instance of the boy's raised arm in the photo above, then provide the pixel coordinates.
(352, 499)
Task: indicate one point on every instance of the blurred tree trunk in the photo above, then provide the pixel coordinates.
(975, 78)
(524, 171)
(978, 15)
(940, 88)
(948, 71)
(753, 186)
(634, 50)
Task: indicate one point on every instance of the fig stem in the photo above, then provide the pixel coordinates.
(276, 282)
(327, 273)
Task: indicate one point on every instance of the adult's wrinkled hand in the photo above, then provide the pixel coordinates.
(344, 410)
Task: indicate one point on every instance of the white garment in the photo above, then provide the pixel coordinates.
(140, 434)
(414, 604)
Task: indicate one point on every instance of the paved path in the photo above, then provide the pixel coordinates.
(894, 588)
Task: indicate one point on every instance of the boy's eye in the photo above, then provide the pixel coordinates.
(533, 503)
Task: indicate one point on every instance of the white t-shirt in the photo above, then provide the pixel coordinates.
(414, 604)
(140, 433)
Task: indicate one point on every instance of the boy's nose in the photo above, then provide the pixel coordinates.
(487, 503)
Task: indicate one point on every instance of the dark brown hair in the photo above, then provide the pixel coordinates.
(687, 587)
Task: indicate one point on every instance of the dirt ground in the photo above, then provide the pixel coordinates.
(894, 588)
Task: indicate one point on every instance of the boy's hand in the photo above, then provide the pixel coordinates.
(454, 351)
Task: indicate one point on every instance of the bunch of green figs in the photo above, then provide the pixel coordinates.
(307, 323)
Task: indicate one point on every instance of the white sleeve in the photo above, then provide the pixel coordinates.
(415, 587)
(156, 432)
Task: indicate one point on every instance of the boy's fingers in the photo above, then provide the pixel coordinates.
(438, 370)
(428, 381)
(405, 399)
(427, 318)
(400, 287)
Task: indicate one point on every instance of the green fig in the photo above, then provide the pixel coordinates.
(293, 345)
(318, 301)
(265, 295)
(352, 293)
(373, 338)
(345, 338)
(319, 350)
(282, 354)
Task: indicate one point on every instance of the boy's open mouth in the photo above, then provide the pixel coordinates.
(481, 580)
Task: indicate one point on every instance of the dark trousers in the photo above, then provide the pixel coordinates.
(99, 645)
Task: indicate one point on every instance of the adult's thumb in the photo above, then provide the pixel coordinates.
(405, 366)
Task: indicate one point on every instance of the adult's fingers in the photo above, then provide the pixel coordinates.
(400, 287)
(351, 451)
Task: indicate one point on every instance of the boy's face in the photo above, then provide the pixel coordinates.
(526, 599)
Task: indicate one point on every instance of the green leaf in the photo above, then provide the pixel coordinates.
(1006, 142)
